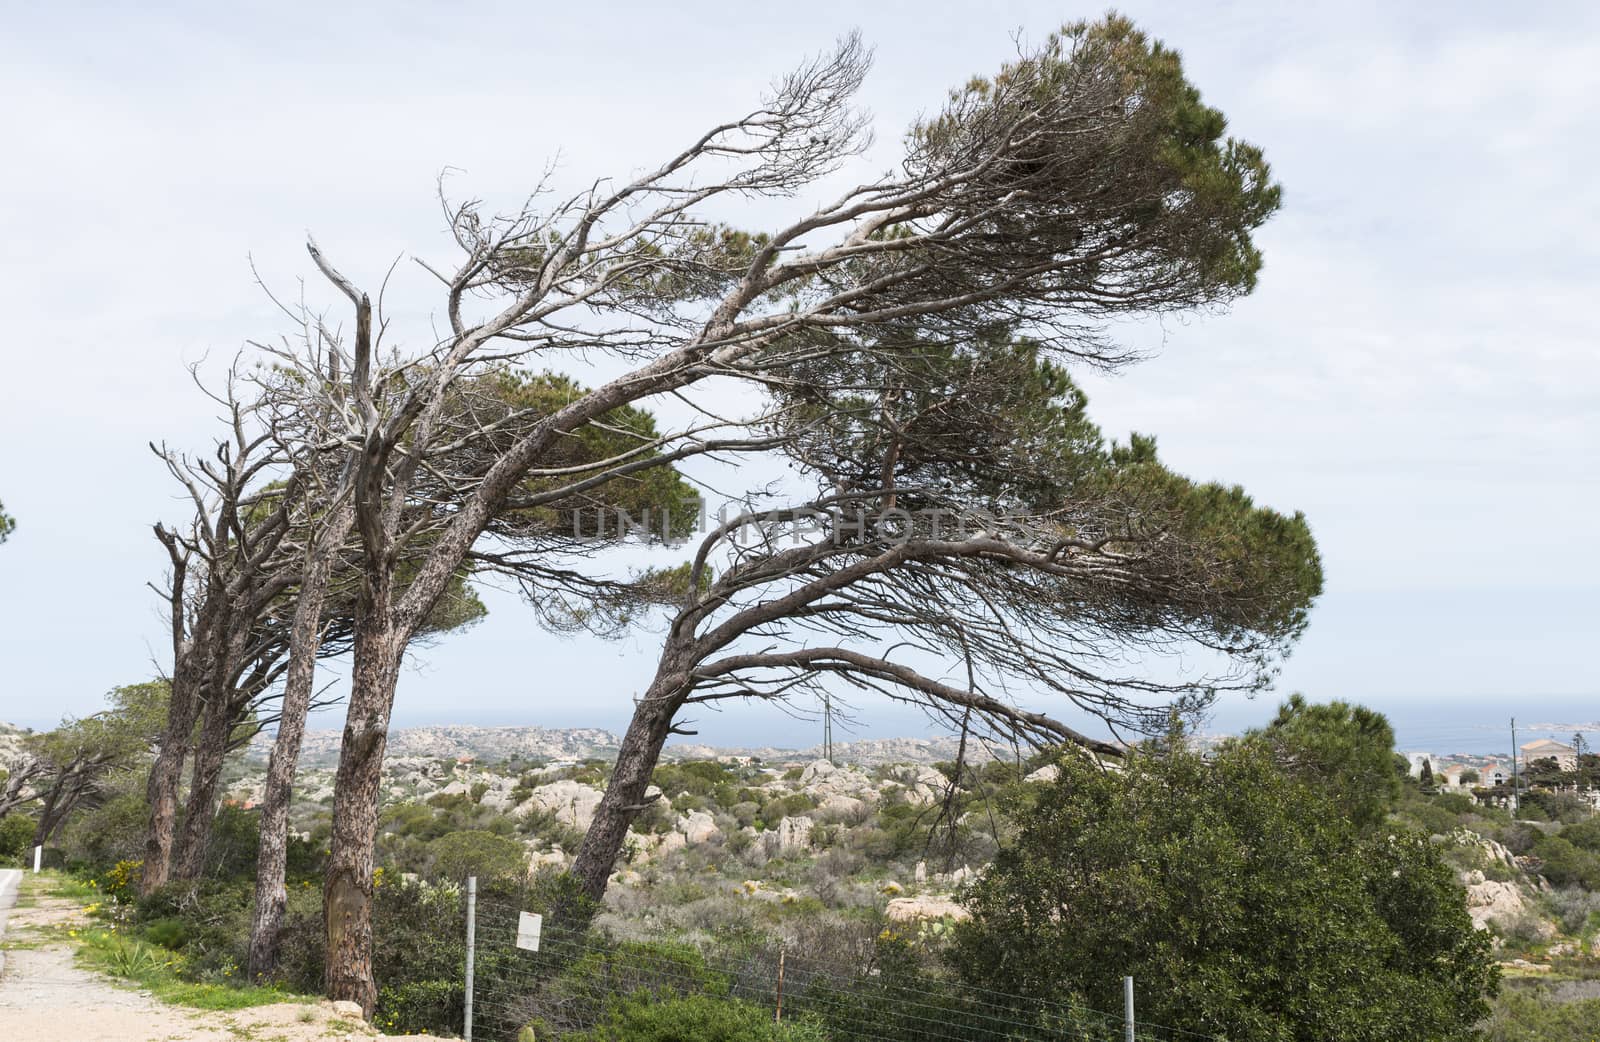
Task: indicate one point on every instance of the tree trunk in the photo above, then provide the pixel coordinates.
(166, 774)
(347, 891)
(205, 787)
(47, 814)
(272, 894)
(624, 797)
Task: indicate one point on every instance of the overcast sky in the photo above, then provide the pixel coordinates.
(1418, 371)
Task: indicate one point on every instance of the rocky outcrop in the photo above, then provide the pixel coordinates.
(454, 741)
(928, 906)
(870, 752)
(11, 739)
(1489, 899)
(698, 827)
(923, 785)
(572, 803)
(789, 836)
(841, 788)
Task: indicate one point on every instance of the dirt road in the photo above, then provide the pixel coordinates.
(46, 997)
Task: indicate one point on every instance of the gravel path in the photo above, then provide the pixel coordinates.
(46, 997)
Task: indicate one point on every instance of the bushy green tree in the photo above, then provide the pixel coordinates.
(477, 852)
(7, 524)
(1246, 902)
(1347, 750)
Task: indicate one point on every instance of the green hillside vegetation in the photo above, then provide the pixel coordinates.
(1313, 816)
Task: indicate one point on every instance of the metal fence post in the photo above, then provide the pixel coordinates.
(472, 951)
(1127, 1005)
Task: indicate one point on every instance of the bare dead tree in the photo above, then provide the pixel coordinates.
(483, 415)
(226, 572)
(1083, 182)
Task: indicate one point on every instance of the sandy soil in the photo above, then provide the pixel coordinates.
(45, 997)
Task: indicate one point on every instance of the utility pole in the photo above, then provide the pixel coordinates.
(1127, 1009)
(1514, 782)
(472, 951)
(827, 728)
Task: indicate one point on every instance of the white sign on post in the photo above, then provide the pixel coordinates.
(528, 927)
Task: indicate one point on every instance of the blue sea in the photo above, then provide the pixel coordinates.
(1477, 724)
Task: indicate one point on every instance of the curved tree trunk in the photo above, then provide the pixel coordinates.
(48, 816)
(272, 862)
(624, 797)
(205, 788)
(166, 775)
(347, 892)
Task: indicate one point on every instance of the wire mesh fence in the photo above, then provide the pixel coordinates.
(582, 985)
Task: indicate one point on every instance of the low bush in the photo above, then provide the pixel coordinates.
(1566, 864)
(694, 1018)
(16, 838)
(1565, 807)
(1532, 1015)
(476, 852)
(420, 1006)
(1575, 909)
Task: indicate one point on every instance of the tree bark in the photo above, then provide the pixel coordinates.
(272, 894)
(166, 774)
(72, 783)
(624, 797)
(347, 891)
(205, 784)
(47, 816)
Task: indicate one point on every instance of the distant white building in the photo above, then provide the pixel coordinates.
(1415, 760)
(1565, 756)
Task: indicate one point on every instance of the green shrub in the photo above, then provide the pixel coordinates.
(1432, 818)
(1584, 834)
(693, 1018)
(1518, 837)
(168, 933)
(696, 777)
(1559, 806)
(111, 832)
(423, 1006)
(1575, 908)
(780, 807)
(476, 852)
(1455, 803)
(1566, 864)
(16, 837)
(1533, 1015)
(234, 844)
